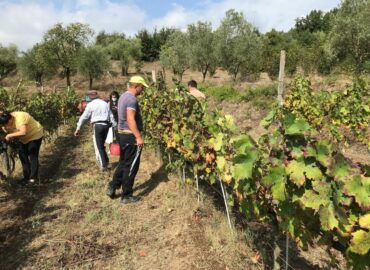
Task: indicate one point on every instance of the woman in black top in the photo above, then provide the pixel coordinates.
(113, 104)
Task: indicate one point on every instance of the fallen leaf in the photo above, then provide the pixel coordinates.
(256, 258)
(142, 253)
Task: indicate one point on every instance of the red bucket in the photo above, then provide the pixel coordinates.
(115, 149)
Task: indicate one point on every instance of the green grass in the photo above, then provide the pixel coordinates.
(262, 97)
(221, 93)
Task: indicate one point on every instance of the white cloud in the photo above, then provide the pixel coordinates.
(24, 22)
(264, 14)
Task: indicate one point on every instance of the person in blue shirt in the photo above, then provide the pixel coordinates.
(130, 128)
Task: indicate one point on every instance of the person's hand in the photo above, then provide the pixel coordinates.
(77, 133)
(139, 141)
(8, 137)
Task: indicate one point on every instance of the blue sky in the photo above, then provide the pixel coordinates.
(23, 22)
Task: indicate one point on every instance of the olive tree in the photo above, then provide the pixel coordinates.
(8, 60)
(175, 54)
(350, 35)
(65, 43)
(239, 45)
(127, 51)
(37, 63)
(93, 61)
(203, 55)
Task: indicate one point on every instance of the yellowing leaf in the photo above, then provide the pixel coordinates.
(220, 161)
(276, 179)
(218, 141)
(314, 200)
(359, 187)
(364, 221)
(296, 171)
(327, 217)
(360, 242)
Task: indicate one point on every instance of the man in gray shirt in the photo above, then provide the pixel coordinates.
(101, 117)
(130, 127)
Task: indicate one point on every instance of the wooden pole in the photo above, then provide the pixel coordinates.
(280, 98)
(154, 77)
(281, 79)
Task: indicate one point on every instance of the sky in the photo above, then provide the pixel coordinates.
(24, 22)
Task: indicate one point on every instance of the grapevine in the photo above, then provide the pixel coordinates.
(288, 177)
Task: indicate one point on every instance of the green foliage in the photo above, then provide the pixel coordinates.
(239, 45)
(273, 42)
(350, 35)
(151, 43)
(51, 109)
(268, 92)
(104, 40)
(176, 54)
(262, 97)
(315, 21)
(8, 60)
(127, 51)
(93, 62)
(333, 111)
(289, 176)
(202, 48)
(65, 43)
(37, 63)
(220, 93)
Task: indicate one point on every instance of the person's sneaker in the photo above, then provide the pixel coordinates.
(111, 192)
(130, 199)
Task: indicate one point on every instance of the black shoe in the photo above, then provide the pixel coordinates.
(130, 199)
(23, 182)
(111, 192)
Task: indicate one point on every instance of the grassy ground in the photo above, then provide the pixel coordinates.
(67, 221)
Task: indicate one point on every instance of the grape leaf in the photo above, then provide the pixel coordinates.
(298, 169)
(267, 121)
(298, 127)
(340, 168)
(360, 242)
(218, 141)
(243, 170)
(327, 217)
(244, 143)
(364, 221)
(323, 152)
(296, 172)
(220, 161)
(244, 164)
(359, 187)
(314, 200)
(276, 179)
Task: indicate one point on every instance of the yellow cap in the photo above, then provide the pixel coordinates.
(138, 79)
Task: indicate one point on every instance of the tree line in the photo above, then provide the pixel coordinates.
(319, 42)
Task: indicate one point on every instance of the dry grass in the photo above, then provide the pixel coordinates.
(68, 222)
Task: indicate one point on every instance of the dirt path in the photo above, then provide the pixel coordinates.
(68, 222)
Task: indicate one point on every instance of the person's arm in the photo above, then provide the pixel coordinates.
(83, 118)
(21, 132)
(133, 126)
